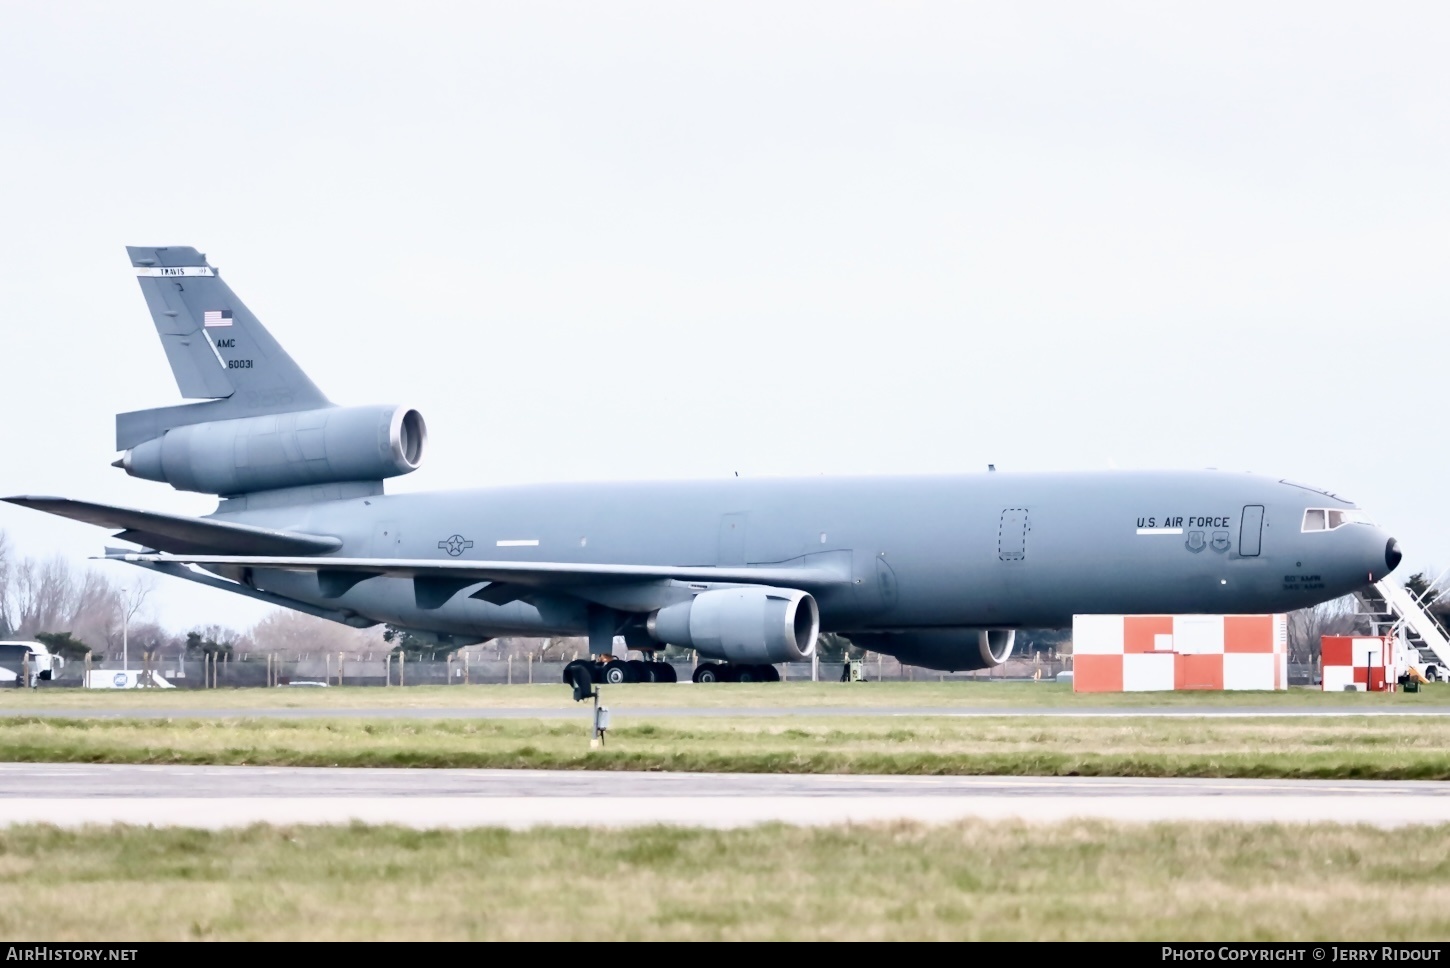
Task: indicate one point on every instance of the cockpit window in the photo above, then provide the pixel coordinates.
(1327, 519)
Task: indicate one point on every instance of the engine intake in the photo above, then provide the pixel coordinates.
(749, 624)
(329, 446)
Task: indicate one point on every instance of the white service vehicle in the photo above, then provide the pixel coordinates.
(18, 659)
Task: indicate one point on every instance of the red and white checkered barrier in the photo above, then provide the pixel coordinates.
(1139, 653)
(1368, 663)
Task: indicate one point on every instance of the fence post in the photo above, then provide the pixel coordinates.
(388, 669)
(402, 659)
(339, 668)
(511, 670)
(465, 668)
(531, 668)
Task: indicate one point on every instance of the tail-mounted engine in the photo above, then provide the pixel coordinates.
(333, 445)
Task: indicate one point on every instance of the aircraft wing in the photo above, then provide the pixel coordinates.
(436, 581)
(183, 535)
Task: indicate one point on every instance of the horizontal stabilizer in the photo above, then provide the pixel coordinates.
(529, 574)
(182, 535)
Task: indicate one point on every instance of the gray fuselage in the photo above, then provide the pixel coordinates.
(992, 550)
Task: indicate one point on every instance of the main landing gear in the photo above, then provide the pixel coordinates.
(616, 672)
(726, 672)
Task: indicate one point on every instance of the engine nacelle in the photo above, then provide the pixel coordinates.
(948, 650)
(330, 446)
(750, 624)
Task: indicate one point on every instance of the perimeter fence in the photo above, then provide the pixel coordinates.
(255, 670)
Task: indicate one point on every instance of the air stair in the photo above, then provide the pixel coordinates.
(1392, 610)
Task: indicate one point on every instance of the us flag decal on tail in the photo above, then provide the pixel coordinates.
(217, 317)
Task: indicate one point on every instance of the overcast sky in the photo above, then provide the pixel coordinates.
(629, 240)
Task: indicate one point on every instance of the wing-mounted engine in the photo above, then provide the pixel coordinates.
(748, 624)
(949, 650)
(332, 445)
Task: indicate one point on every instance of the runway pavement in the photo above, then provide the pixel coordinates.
(584, 711)
(75, 794)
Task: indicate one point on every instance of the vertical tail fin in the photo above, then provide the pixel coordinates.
(217, 349)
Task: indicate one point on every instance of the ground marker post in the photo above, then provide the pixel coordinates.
(582, 679)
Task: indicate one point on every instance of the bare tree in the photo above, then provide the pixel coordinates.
(5, 627)
(291, 633)
(129, 602)
(1307, 626)
(51, 596)
(562, 647)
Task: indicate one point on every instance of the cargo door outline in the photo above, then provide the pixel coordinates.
(1012, 534)
(732, 539)
(885, 583)
(1251, 530)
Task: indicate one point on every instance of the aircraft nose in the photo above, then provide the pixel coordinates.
(1392, 555)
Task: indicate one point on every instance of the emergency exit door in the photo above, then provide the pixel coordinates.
(1012, 535)
(1251, 530)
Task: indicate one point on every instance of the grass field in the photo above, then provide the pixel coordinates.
(862, 695)
(1331, 747)
(1077, 881)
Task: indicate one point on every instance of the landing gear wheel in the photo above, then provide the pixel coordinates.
(708, 672)
(746, 673)
(769, 673)
(643, 671)
(617, 673)
(664, 672)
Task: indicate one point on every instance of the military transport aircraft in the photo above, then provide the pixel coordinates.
(939, 571)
